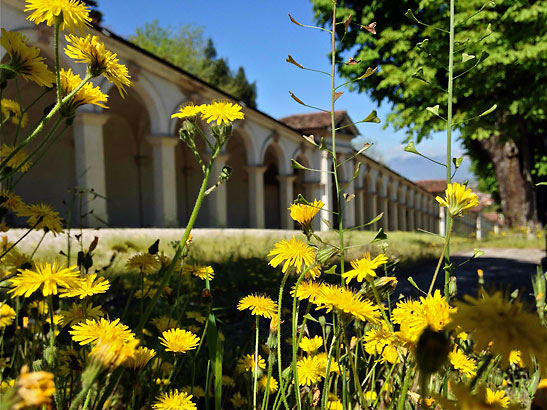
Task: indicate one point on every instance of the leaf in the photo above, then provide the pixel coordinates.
(422, 45)
(310, 317)
(225, 174)
(477, 253)
(541, 183)
(411, 148)
(419, 74)
(348, 197)
(484, 55)
(457, 162)
(368, 73)
(356, 172)
(338, 95)
(331, 270)
(292, 61)
(372, 117)
(380, 236)
(154, 248)
(467, 57)
(365, 146)
(294, 21)
(434, 110)
(94, 244)
(376, 219)
(488, 111)
(301, 200)
(326, 222)
(411, 280)
(295, 98)
(409, 14)
(310, 138)
(296, 165)
(347, 21)
(353, 61)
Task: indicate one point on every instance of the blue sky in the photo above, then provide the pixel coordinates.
(258, 35)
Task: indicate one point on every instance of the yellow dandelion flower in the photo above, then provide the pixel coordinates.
(222, 112)
(345, 300)
(462, 363)
(93, 330)
(18, 160)
(34, 389)
(497, 397)
(174, 400)
(382, 341)
(414, 316)
(88, 94)
(458, 198)
(508, 325)
(87, 286)
(112, 351)
(294, 253)
(308, 290)
(196, 391)
(178, 340)
(99, 60)
(164, 323)
(258, 305)
(363, 269)
(140, 358)
(10, 201)
(515, 357)
(16, 260)
(273, 385)
(159, 365)
(322, 359)
(78, 313)
(304, 214)
(25, 60)
(12, 110)
(334, 404)
(200, 271)
(228, 381)
(310, 345)
(198, 317)
(48, 276)
(247, 363)
(6, 384)
(188, 111)
(7, 315)
(238, 400)
(43, 216)
(73, 14)
(309, 370)
(144, 262)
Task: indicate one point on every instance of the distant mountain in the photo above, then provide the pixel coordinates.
(415, 168)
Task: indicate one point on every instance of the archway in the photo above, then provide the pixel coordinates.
(238, 184)
(272, 198)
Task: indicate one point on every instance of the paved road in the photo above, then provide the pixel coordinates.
(506, 269)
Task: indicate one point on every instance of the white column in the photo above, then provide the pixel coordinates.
(442, 221)
(90, 166)
(256, 196)
(218, 199)
(402, 214)
(360, 198)
(286, 187)
(348, 212)
(326, 194)
(410, 206)
(373, 210)
(165, 180)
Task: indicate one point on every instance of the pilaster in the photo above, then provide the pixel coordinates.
(256, 196)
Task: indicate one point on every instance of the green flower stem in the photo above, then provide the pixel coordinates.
(45, 120)
(255, 368)
(443, 255)
(269, 377)
(85, 388)
(279, 365)
(360, 394)
(385, 385)
(380, 304)
(402, 397)
(58, 21)
(88, 398)
(326, 384)
(27, 108)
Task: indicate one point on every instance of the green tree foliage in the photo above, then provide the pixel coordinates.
(186, 48)
(94, 12)
(501, 58)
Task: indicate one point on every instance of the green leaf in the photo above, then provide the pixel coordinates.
(541, 183)
(411, 148)
(372, 117)
(434, 110)
(419, 74)
(484, 55)
(411, 280)
(310, 317)
(368, 73)
(477, 253)
(467, 57)
(297, 165)
(457, 162)
(331, 270)
(422, 45)
(357, 169)
(488, 111)
(225, 174)
(365, 146)
(292, 61)
(409, 14)
(380, 236)
(376, 219)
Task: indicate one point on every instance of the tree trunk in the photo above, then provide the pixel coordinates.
(517, 192)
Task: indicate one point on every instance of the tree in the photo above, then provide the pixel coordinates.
(512, 74)
(186, 48)
(94, 13)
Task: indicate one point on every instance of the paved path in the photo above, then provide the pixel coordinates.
(504, 268)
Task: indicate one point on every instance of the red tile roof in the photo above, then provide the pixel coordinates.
(433, 185)
(313, 120)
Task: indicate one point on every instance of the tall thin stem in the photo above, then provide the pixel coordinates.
(255, 367)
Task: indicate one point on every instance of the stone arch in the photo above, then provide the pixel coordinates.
(274, 142)
(129, 161)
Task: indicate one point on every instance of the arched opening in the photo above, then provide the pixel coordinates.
(128, 162)
(272, 199)
(52, 175)
(238, 184)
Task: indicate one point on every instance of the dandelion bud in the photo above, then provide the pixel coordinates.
(206, 296)
(432, 350)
